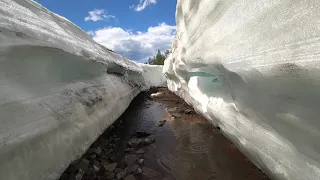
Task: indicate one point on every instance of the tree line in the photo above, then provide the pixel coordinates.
(159, 58)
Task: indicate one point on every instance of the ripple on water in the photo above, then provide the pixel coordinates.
(171, 165)
(192, 140)
(183, 166)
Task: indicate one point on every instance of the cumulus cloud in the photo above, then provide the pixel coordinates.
(136, 45)
(143, 4)
(98, 15)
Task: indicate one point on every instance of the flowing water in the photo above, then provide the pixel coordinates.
(187, 147)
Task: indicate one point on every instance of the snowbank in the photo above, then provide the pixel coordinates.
(252, 68)
(59, 90)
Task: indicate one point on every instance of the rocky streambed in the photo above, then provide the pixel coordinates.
(161, 137)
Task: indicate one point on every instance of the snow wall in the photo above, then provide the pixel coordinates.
(252, 68)
(59, 90)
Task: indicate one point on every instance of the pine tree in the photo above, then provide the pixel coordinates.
(166, 53)
(159, 58)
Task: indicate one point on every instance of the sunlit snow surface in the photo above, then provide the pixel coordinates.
(59, 90)
(252, 68)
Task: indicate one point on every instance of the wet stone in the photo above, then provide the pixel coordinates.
(139, 142)
(91, 151)
(93, 156)
(134, 142)
(96, 163)
(130, 177)
(111, 175)
(122, 174)
(79, 175)
(140, 151)
(131, 158)
(140, 161)
(112, 159)
(112, 145)
(138, 171)
(148, 141)
(177, 115)
(98, 151)
(117, 170)
(141, 134)
(133, 168)
(162, 122)
(105, 163)
(82, 164)
(188, 111)
(128, 150)
(96, 168)
(172, 109)
(110, 167)
(149, 173)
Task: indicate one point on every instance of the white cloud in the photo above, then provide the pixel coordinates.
(143, 4)
(136, 45)
(98, 15)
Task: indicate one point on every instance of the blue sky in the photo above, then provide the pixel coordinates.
(133, 28)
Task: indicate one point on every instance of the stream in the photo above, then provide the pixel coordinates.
(186, 146)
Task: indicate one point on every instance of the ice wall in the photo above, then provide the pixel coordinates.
(59, 90)
(252, 68)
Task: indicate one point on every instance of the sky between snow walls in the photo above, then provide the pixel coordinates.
(135, 29)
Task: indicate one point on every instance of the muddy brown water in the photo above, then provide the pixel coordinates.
(187, 147)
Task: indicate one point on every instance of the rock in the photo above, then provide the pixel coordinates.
(117, 170)
(130, 177)
(134, 142)
(139, 142)
(96, 168)
(93, 156)
(172, 109)
(177, 115)
(96, 165)
(149, 173)
(122, 174)
(138, 171)
(133, 168)
(91, 150)
(110, 167)
(112, 158)
(162, 122)
(112, 145)
(188, 111)
(142, 134)
(140, 161)
(98, 151)
(79, 175)
(111, 175)
(82, 164)
(131, 158)
(105, 163)
(128, 150)
(148, 141)
(126, 171)
(95, 162)
(140, 151)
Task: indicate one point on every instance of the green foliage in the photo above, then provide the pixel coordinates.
(159, 58)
